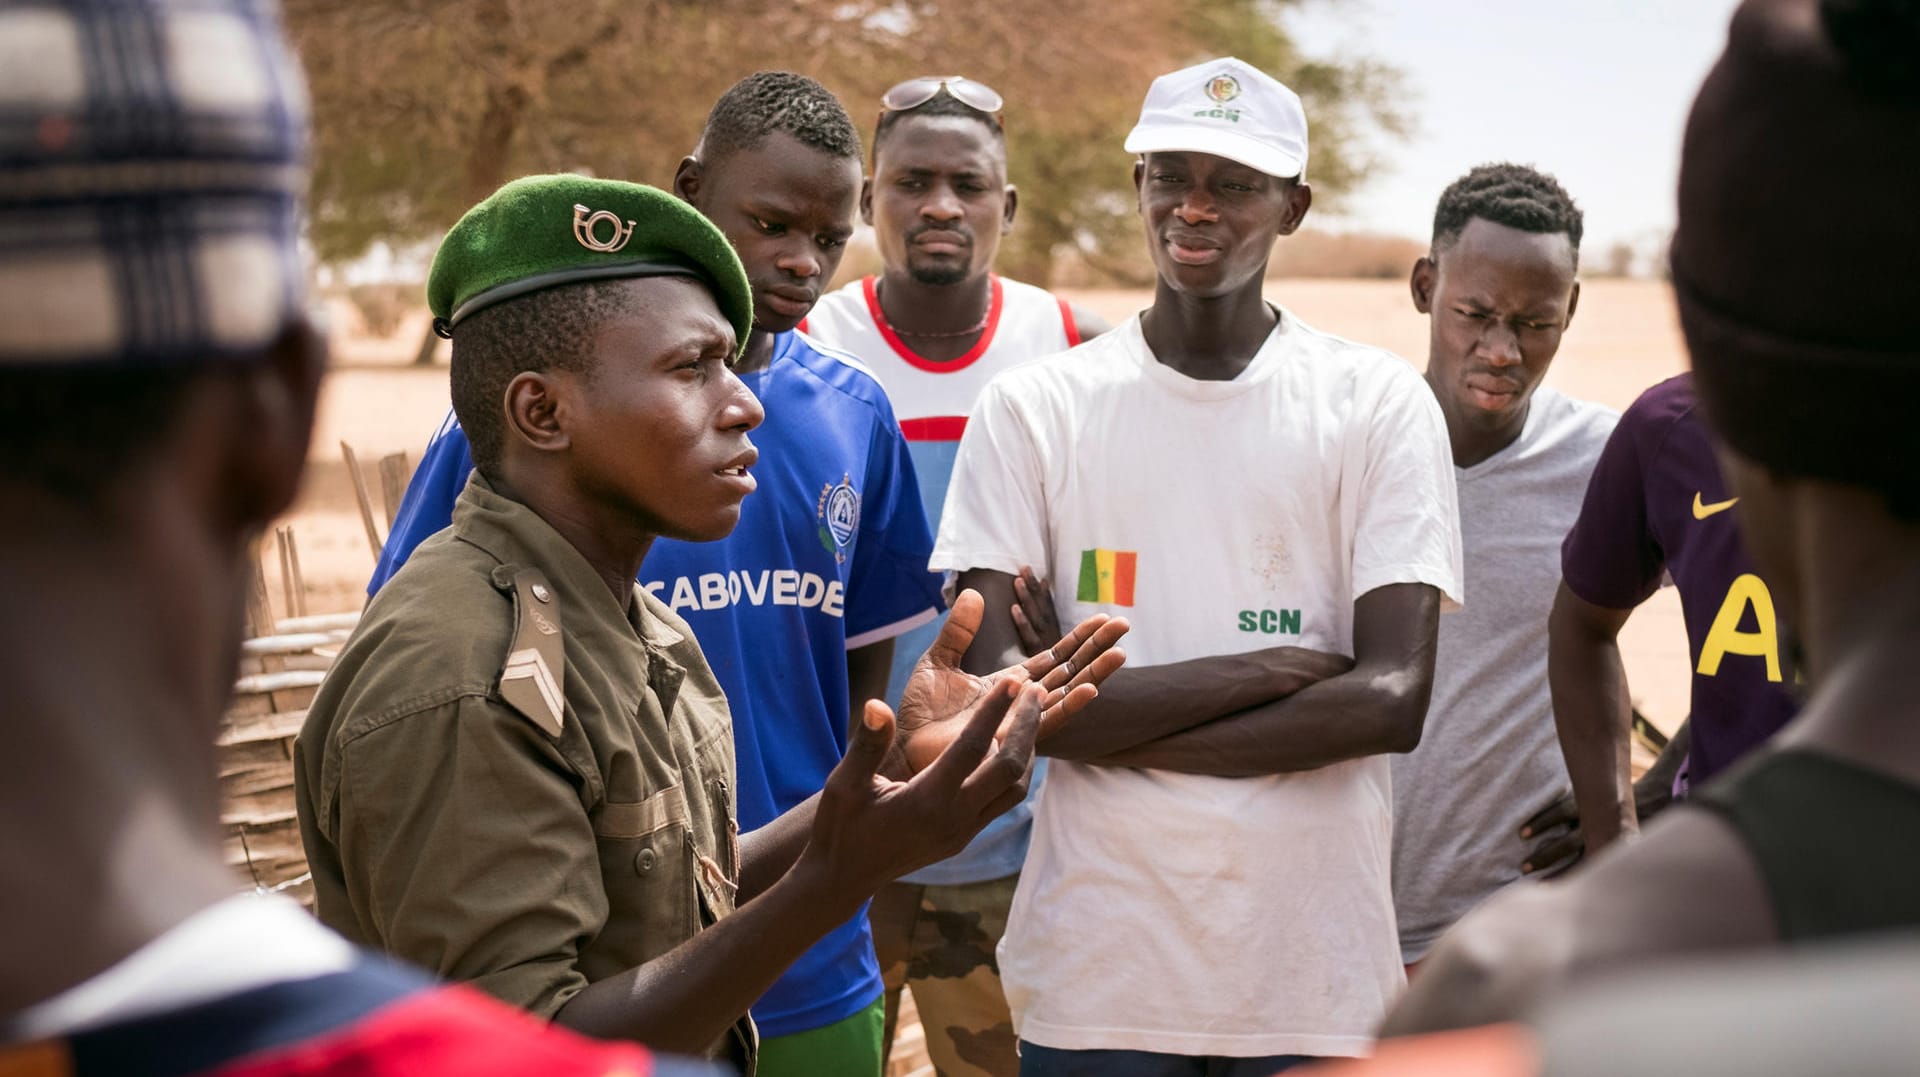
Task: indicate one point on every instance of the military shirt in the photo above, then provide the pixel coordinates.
(513, 781)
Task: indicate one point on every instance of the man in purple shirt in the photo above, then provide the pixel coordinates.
(1657, 507)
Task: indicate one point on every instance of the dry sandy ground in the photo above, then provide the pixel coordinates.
(1624, 339)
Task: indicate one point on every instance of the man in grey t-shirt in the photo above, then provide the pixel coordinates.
(1499, 289)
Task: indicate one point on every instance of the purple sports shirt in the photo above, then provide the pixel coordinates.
(1656, 504)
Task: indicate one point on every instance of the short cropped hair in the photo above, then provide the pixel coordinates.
(1517, 196)
(552, 329)
(770, 101)
(940, 104)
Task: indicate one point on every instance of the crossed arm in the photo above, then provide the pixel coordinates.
(1262, 712)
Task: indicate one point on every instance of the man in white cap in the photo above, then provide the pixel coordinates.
(1273, 507)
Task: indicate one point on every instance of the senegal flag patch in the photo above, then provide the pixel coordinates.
(1106, 577)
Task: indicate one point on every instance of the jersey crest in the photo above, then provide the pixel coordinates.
(839, 514)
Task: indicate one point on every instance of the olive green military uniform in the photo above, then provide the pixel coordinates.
(513, 781)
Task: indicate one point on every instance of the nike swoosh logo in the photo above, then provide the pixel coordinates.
(1701, 512)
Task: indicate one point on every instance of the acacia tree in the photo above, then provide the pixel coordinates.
(423, 107)
(1064, 143)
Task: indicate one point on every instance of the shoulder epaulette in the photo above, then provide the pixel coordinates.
(533, 681)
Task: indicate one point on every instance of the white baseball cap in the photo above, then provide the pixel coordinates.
(1228, 108)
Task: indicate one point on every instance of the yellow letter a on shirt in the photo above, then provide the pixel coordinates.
(1726, 637)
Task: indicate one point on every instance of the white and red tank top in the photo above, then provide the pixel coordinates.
(932, 398)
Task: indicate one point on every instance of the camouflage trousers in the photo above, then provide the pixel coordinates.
(939, 940)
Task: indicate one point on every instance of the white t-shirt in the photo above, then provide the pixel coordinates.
(1180, 913)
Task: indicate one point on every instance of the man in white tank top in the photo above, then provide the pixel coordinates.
(934, 328)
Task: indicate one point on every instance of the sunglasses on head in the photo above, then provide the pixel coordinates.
(916, 92)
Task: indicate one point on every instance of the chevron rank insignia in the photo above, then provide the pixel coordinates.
(532, 682)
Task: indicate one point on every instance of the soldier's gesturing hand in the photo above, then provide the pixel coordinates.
(870, 829)
(940, 695)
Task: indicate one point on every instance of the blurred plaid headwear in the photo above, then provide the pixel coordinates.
(152, 162)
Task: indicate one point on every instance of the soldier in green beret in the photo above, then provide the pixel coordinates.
(520, 771)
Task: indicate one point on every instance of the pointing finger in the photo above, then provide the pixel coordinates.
(1014, 757)
(866, 749)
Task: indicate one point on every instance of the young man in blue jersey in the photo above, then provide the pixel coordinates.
(798, 608)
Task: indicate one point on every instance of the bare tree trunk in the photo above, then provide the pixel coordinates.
(501, 64)
(486, 164)
(485, 168)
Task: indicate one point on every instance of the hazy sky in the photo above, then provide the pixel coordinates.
(1594, 91)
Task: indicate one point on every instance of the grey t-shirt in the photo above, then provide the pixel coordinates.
(1489, 757)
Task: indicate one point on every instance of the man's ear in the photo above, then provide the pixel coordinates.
(1299, 200)
(866, 201)
(536, 410)
(1426, 274)
(686, 180)
(1573, 304)
(271, 431)
(1006, 214)
(1139, 177)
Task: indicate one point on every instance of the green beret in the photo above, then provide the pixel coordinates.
(544, 231)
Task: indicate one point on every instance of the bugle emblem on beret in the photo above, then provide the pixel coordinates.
(586, 226)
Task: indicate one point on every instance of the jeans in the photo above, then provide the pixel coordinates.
(1038, 1061)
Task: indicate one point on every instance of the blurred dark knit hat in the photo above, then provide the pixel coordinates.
(151, 171)
(1795, 259)
(545, 231)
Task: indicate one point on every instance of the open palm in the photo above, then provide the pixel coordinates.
(940, 695)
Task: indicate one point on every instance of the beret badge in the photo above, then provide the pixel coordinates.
(586, 225)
